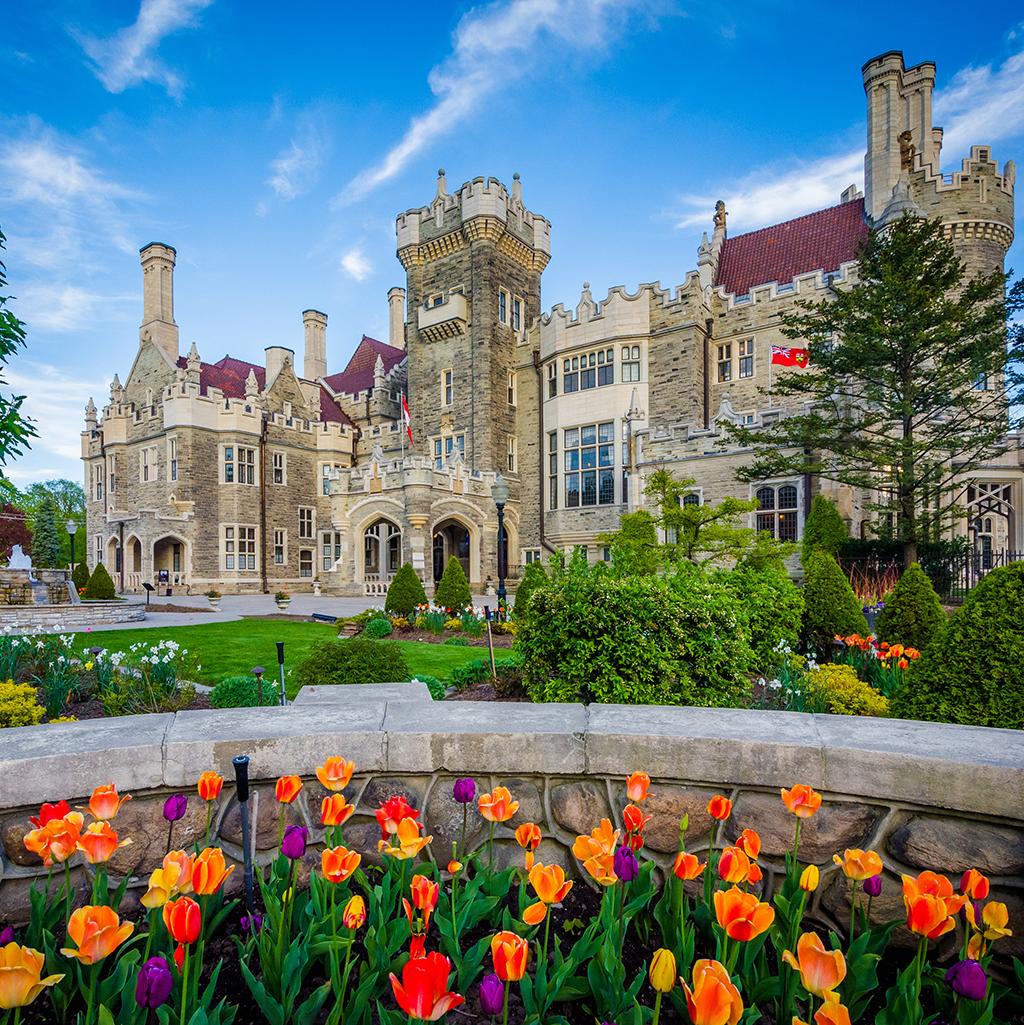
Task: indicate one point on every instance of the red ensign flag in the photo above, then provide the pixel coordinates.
(784, 357)
(406, 417)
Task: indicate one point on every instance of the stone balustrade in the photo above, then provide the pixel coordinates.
(923, 795)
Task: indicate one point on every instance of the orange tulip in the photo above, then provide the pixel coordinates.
(820, 970)
(105, 804)
(742, 915)
(210, 785)
(392, 812)
(183, 919)
(336, 773)
(551, 886)
(174, 876)
(686, 866)
(455, 867)
(21, 969)
(423, 992)
(903, 664)
(637, 786)
(354, 914)
(931, 904)
(733, 866)
(749, 841)
(498, 806)
(99, 842)
(409, 842)
(831, 1012)
(714, 1000)
(802, 800)
(913, 654)
(528, 837)
(424, 893)
(509, 953)
(754, 875)
(209, 871)
(287, 789)
(597, 852)
(859, 865)
(57, 840)
(974, 885)
(335, 810)
(634, 819)
(338, 863)
(96, 932)
(719, 807)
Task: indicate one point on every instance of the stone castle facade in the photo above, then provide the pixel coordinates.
(246, 477)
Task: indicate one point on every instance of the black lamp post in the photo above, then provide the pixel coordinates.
(72, 529)
(499, 492)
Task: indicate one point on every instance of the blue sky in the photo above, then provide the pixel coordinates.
(273, 144)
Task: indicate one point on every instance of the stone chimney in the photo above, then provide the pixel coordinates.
(314, 361)
(276, 357)
(396, 317)
(158, 324)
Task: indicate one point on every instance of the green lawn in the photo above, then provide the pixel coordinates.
(230, 649)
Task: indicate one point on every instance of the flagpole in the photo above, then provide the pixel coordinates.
(404, 428)
(771, 363)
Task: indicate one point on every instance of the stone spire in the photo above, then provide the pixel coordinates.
(378, 373)
(705, 263)
(585, 309)
(193, 365)
(899, 204)
(116, 391)
(90, 415)
(252, 386)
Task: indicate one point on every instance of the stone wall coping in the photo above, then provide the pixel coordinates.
(965, 769)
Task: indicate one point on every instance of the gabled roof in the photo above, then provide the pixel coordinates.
(358, 375)
(823, 241)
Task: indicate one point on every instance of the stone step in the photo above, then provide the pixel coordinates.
(344, 694)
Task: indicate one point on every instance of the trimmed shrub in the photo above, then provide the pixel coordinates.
(838, 689)
(594, 636)
(352, 660)
(405, 592)
(830, 606)
(971, 671)
(377, 628)
(458, 642)
(824, 529)
(453, 588)
(436, 687)
(912, 614)
(19, 705)
(242, 692)
(470, 672)
(100, 587)
(772, 606)
(533, 577)
(80, 577)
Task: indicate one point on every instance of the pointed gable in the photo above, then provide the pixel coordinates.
(358, 375)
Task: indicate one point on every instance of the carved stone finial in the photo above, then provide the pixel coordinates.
(252, 386)
(907, 150)
(720, 214)
(704, 250)
(586, 307)
(442, 182)
(116, 391)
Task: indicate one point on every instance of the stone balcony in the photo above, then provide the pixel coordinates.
(444, 320)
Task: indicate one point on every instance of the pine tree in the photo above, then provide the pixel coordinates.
(830, 606)
(405, 592)
(891, 403)
(100, 586)
(453, 589)
(80, 576)
(46, 546)
(824, 528)
(912, 614)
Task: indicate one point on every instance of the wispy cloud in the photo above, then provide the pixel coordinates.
(979, 105)
(492, 47)
(296, 169)
(59, 308)
(128, 57)
(355, 264)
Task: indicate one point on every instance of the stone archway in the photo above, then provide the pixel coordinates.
(171, 562)
(452, 537)
(133, 563)
(382, 554)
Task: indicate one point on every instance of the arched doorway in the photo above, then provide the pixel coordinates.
(382, 555)
(170, 562)
(451, 537)
(133, 563)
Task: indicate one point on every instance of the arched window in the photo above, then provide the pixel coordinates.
(777, 510)
(382, 548)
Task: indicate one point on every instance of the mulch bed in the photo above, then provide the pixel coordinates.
(93, 708)
(500, 640)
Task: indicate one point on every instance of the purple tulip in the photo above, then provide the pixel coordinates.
(492, 993)
(251, 923)
(154, 984)
(464, 790)
(626, 865)
(6, 935)
(873, 886)
(968, 980)
(175, 807)
(293, 844)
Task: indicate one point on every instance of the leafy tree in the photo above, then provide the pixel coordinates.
(890, 404)
(46, 547)
(405, 592)
(634, 546)
(533, 577)
(100, 586)
(824, 528)
(453, 589)
(912, 614)
(13, 531)
(15, 428)
(830, 606)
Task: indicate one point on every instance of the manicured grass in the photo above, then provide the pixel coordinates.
(231, 649)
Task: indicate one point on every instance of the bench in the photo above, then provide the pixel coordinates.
(322, 617)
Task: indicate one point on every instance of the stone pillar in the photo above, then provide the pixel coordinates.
(158, 324)
(314, 324)
(418, 543)
(396, 317)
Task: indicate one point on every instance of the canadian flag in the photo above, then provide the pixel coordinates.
(407, 418)
(783, 357)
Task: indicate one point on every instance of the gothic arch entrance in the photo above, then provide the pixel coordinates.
(382, 554)
(451, 537)
(170, 562)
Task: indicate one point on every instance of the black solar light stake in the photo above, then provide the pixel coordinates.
(241, 764)
(258, 672)
(280, 666)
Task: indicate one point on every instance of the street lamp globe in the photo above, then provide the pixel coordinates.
(499, 491)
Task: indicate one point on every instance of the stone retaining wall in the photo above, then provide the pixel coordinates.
(923, 795)
(70, 617)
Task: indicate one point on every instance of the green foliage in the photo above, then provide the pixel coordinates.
(533, 577)
(472, 672)
(100, 586)
(46, 547)
(595, 636)
(436, 687)
(453, 588)
(912, 614)
(377, 628)
(405, 592)
(830, 606)
(15, 428)
(243, 692)
(19, 705)
(80, 575)
(634, 546)
(14, 530)
(971, 671)
(841, 693)
(459, 642)
(824, 528)
(354, 660)
(772, 606)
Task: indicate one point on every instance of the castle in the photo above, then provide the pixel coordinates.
(242, 477)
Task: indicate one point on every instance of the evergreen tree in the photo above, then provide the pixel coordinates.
(533, 577)
(46, 546)
(405, 592)
(100, 586)
(912, 614)
(824, 528)
(15, 428)
(453, 589)
(80, 576)
(830, 606)
(891, 401)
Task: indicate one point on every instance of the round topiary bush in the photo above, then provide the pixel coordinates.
(243, 692)
(405, 592)
(453, 589)
(354, 660)
(377, 628)
(772, 606)
(100, 587)
(830, 606)
(824, 529)
(912, 614)
(533, 577)
(971, 671)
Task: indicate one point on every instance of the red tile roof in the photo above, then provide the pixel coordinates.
(358, 375)
(820, 241)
